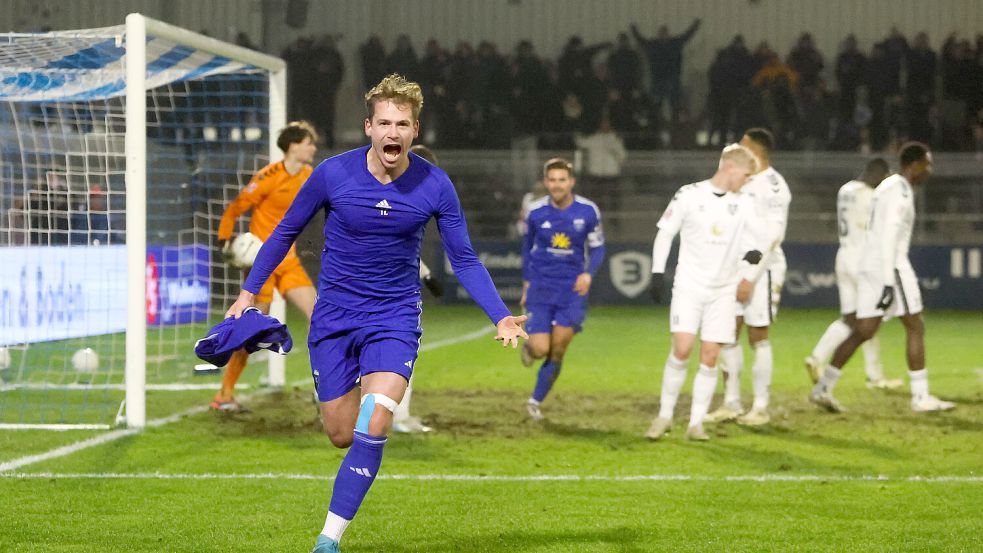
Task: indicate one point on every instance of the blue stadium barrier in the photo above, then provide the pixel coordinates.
(950, 277)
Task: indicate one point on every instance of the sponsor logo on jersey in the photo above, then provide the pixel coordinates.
(560, 240)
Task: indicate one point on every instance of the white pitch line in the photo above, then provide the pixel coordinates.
(454, 340)
(15, 464)
(504, 478)
(88, 387)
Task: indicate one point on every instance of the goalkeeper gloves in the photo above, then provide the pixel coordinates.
(657, 288)
(887, 298)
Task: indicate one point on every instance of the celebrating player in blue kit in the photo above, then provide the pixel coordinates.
(562, 250)
(365, 330)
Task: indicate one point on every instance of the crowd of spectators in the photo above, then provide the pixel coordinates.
(867, 101)
(480, 97)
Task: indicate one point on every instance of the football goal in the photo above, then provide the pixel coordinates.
(119, 149)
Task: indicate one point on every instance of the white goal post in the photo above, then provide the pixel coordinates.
(137, 29)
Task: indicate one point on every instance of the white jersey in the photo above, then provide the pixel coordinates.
(892, 216)
(852, 215)
(771, 197)
(712, 238)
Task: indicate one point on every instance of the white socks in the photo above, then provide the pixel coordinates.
(673, 378)
(919, 383)
(761, 373)
(828, 380)
(835, 334)
(334, 526)
(872, 359)
(402, 411)
(732, 357)
(703, 387)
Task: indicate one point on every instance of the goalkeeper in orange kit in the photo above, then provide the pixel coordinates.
(268, 194)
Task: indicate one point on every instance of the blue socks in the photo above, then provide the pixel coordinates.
(548, 374)
(356, 474)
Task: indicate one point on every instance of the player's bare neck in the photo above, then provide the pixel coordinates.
(292, 166)
(717, 184)
(564, 203)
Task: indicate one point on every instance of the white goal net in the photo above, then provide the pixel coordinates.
(119, 149)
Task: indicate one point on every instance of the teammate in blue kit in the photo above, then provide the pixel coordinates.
(562, 251)
(365, 330)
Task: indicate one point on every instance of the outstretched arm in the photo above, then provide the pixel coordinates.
(469, 270)
(689, 32)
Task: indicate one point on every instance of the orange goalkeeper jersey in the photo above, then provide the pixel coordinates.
(269, 194)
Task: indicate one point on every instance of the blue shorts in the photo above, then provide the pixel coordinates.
(542, 316)
(362, 343)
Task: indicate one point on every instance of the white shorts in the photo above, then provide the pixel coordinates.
(709, 313)
(847, 279)
(761, 310)
(907, 295)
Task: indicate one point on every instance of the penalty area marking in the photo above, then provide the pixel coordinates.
(503, 478)
(15, 464)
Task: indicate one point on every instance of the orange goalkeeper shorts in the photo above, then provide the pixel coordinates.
(288, 275)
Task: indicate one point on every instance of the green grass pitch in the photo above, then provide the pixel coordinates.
(877, 478)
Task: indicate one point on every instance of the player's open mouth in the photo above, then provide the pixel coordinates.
(391, 152)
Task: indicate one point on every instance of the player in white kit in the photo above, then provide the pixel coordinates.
(852, 216)
(888, 285)
(771, 197)
(710, 217)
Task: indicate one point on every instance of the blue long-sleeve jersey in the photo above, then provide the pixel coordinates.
(372, 237)
(559, 245)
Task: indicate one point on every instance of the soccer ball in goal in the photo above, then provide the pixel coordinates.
(85, 360)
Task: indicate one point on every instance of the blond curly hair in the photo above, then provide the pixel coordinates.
(397, 89)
